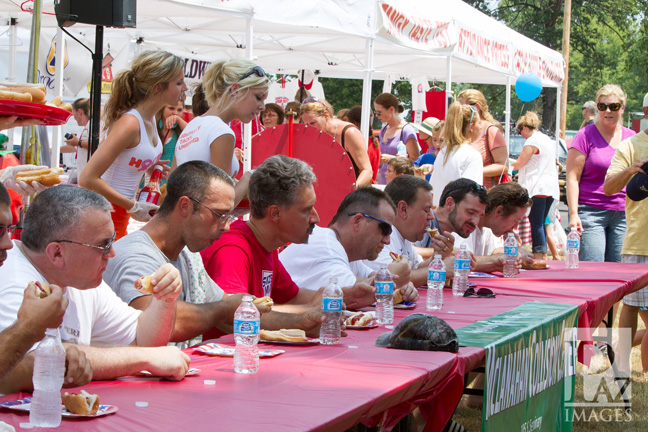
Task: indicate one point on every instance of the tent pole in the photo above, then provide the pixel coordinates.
(58, 91)
(558, 114)
(448, 88)
(32, 77)
(13, 28)
(247, 128)
(507, 113)
(366, 88)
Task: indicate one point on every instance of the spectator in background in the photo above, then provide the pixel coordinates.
(293, 107)
(131, 146)
(589, 113)
(599, 218)
(398, 166)
(79, 145)
(489, 141)
(537, 173)
(342, 114)
(458, 159)
(199, 105)
(170, 125)
(430, 131)
(394, 132)
(354, 116)
(272, 115)
(319, 114)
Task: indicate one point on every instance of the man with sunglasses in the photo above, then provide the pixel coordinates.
(193, 215)
(67, 241)
(34, 316)
(360, 230)
(508, 203)
(589, 113)
(245, 259)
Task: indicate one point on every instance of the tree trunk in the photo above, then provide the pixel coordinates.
(549, 109)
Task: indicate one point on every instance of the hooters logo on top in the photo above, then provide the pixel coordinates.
(432, 34)
(143, 165)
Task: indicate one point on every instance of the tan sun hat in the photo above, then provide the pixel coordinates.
(427, 125)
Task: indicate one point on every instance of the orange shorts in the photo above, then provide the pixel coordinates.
(120, 219)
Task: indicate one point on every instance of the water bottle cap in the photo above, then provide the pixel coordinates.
(247, 298)
(463, 247)
(333, 280)
(437, 256)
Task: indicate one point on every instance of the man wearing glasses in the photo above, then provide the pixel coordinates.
(589, 113)
(67, 241)
(194, 214)
(245, 259)
(360, 230)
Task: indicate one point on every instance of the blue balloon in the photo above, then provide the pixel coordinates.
(528, 87)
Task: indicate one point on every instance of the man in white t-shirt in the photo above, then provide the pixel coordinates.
(360, 230)
(509, 203)
(67, 241)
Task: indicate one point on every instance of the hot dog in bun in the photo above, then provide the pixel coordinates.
(143, 285)
(398, 297)
(83, 403)
(30, 92)
(41, 288)
(360, 319)
(45, 176)
(395, 257)
(284, 335)
(263, 301)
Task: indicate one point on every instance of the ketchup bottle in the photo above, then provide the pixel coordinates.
(151, 192)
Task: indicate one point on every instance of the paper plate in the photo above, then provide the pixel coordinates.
(190, 372)
(308, 341)
(222, 350)
(405, 305)
(50, 115)
(481, 275)
(526, 267)
(25, 405)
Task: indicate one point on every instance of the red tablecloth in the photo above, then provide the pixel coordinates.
(335, 387)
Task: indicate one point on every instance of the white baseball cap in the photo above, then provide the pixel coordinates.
(646, 100)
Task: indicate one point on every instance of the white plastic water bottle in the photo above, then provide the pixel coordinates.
(510, 256)
(435, 283)
(401, 149)
(461, 271)
(573, 247)
(49, 372)
(384, 296)
(246, 334)
(332, 310)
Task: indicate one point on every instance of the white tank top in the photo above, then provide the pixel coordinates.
(195, 141)
(125, 173)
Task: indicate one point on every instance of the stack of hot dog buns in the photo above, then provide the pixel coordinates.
(26, 92)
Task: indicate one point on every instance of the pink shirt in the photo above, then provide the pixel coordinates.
(238, 263)
(598, 154)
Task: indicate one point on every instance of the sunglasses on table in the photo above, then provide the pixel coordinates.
(614, 106)
(255, 70)
(384, 226)
(7, 229)
(481, 292)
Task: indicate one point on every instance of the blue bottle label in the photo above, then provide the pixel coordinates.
(246, 327)
(384, 287)
(510, 250)
(573, 244)
(462, 264)
(436, 276)
(331, 304)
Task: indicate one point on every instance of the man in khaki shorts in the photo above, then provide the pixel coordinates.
(628, 167)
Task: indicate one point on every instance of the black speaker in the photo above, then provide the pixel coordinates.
(107, 13)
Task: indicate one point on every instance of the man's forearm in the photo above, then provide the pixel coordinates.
(155, 325)
(488, 263)
(275, 320)
(14, 343)
(20, 376)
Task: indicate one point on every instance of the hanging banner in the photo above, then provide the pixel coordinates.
(530, 365)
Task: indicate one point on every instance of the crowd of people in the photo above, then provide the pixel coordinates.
(202, 261)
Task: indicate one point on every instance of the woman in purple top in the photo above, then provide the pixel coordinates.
(600, 219)
(396, 130)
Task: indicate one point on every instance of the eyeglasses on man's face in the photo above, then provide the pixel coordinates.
(104, 249)
(222, 219)
(7, 229)
(385, 227)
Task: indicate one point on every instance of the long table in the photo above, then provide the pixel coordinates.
(332, 388)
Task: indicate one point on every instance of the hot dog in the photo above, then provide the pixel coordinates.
(46, 176)
(432, 232)
(360, 319)
(395, 257)
(83, 403)
(143, 285)
(36, 92)
(263, 301)
(284, 335)
(398, 297)
(41, 288)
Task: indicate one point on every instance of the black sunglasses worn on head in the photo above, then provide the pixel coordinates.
(384, 226)
(255, 70)
(614, 106)
(481, 292)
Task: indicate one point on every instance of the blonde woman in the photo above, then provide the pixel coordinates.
(319, 114)
(132, 146)
(599, 218)
(235, 89)
(538, 174)
(490, 142)
(395, 131)
(457, 159)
